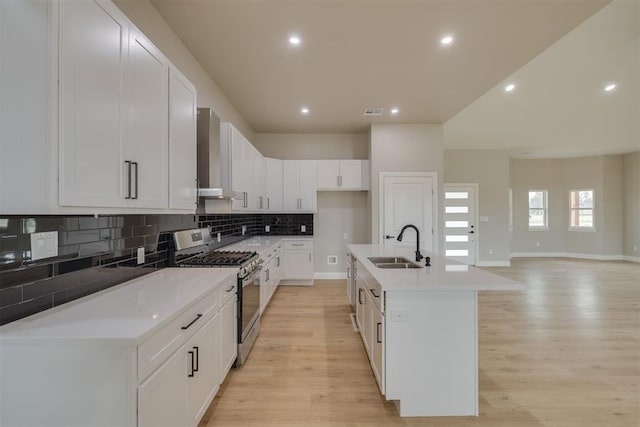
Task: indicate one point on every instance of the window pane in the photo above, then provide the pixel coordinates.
(536, 218)
(456, 195)
(456, 209)
(585, 218)
(456, 238)
(585, 199)
(457, 252)
(456, 224)
(536, 199)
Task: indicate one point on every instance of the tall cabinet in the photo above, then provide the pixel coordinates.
(299, 185)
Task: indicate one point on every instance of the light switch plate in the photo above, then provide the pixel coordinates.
(44, 245)
(219, 236)
(267, 229)
(140, 256)
(244, 229)
(303, 228)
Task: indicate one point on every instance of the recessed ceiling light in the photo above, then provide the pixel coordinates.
(304, 110)
(510, 87)
(294, 40)
(394, 111)
(610, 87)
(446, 40)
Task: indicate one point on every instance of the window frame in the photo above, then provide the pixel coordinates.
(545, 203)
(583, 228)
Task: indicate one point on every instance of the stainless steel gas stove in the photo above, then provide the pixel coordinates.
(193, 250)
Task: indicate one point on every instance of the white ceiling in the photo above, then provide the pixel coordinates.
(385, 53)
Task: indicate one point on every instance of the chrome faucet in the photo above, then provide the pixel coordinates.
(418, 254)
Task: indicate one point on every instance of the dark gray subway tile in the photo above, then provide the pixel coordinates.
(79, 291)
(10, 226)
(10, 296)
(24, 275)
(75, 265)
(49, 286)
(24, 309)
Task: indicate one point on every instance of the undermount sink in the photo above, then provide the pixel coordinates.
(388, 260)
(397, 265)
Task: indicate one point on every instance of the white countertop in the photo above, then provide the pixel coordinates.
(129, 312)
(444, 274)
(261, 244)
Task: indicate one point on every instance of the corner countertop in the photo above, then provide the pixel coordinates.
(444, 274)
(125, 314)
(261, 244)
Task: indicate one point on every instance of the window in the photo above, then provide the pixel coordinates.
(581, 209)
(538, 210)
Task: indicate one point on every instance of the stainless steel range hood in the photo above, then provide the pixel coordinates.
(210, 159)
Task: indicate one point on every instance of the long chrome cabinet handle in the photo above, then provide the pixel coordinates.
(136, 177)
(128, 163)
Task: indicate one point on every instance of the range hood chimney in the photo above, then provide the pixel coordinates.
(211, 184)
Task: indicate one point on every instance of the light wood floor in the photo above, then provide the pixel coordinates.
(565, 352)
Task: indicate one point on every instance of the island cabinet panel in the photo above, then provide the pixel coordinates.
(431, 352)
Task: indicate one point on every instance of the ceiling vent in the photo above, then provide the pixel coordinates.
(373, 111)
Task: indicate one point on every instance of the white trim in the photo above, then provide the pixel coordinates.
(582, 229)
(594, 257)
(435, 214)
(331, 275)
(631, 258)
(493, 264)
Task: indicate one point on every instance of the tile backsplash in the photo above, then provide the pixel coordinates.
(95, 253)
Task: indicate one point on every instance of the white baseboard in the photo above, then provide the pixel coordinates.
(493, 264)
(594, 257)
(333, 275)
(631, 258)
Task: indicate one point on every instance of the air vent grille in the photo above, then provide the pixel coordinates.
(373, 111)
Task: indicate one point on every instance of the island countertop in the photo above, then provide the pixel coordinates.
(444, 274)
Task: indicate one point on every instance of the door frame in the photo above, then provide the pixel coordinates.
(476, 215)
(435, 199)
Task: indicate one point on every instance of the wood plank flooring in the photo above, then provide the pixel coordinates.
(565, 352)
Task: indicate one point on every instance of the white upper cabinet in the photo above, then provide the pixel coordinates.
(146, 150)
(92, 105)
(259, 180)
(342, 175)
(183, 193)
(299, 185)
(274, 185)
(237, 166)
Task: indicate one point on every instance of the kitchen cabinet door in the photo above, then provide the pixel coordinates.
(350, 174)
(228, 336)
(259, 180)
(377, 345)
(307, 185)
(92, 108)
(161, 398)
(182, 142)
(203, 363)
(274, 185)
(328, 174)
(241, 170)
(290, 185)
(147, 131)
(298, 265)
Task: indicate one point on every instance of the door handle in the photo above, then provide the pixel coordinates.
(389, 237)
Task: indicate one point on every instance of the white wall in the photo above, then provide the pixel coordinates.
(149, 21)
(403, 148)
(490, 170)
(631, 187)
(338, 212)
(603, 174)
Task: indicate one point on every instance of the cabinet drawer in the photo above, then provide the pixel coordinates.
(299, 245)
(228, 289)
(163, 343)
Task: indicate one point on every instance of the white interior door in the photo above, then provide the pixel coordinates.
(408, 199)
(460, 231)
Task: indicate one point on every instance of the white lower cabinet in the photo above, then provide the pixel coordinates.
(377, 345)
(228, 336)
(297, 258)
(270, 276)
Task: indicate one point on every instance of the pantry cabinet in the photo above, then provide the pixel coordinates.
(299, 186)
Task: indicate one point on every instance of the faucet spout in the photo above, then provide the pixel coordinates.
(418, 254)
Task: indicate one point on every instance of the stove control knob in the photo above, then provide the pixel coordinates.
(243, 271)
(260, 261)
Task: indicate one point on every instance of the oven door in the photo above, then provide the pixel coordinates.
(249, 303)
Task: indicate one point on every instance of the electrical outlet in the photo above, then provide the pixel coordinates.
(332, 260)
(267, 229)
(537, 244)
(345, 236)
(244, 229)
(303, 228)
(140, 255)
(219, 236)
(44, 245)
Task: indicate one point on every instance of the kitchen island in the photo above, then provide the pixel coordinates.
(419, 327)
